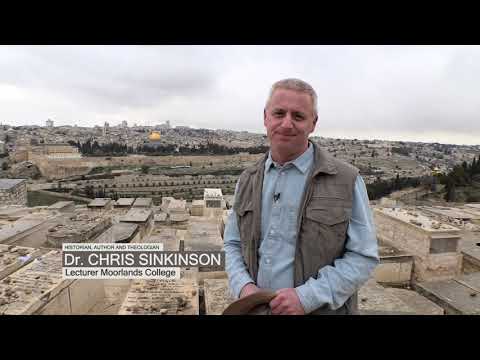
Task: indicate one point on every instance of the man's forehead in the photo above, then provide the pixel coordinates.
(290, 98)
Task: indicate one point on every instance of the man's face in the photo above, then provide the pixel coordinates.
(289, 119)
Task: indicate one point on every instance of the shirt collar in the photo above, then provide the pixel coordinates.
(302, 163)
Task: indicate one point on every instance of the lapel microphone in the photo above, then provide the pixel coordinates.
(276, 197)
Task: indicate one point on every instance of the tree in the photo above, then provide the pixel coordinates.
(89, 191)
(145, 169)
(450, 192)
(4, 166)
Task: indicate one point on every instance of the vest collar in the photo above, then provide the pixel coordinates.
(322, 162)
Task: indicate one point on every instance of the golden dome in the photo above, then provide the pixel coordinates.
(154, 136)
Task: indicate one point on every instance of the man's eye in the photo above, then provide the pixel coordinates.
(278, 113)
(299, 116)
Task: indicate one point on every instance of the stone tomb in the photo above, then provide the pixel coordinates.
(395, 266)
(38, 288)
(161, 297)
(420, 304)
(120, 233)
(63, 206)
(374, 300)
(217, 296)
(434, 245)
(166, 236)
(13, 258)
(459, 296)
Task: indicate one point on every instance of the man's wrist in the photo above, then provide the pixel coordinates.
(240, 284)
(307, 298)
(245, 287)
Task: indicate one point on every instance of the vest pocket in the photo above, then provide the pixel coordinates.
(245, 226)
(324, 231)
(327, 216)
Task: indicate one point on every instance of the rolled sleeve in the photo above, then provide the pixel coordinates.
(335, 284)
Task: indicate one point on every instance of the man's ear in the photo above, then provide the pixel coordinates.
(314, 122)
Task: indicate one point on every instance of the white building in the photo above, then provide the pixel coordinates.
(106, 127)
(49, 123)
(213, 198)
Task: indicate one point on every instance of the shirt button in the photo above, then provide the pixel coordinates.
(272, 232)
(267, 260)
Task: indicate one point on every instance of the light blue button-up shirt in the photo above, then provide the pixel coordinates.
(334, 284)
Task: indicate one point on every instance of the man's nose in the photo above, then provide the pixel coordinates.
(287, 121)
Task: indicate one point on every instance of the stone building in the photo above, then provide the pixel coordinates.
(13, 191)
(59, 151)
(214, 202)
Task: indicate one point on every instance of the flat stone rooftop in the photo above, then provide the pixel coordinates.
(125, 202)
(136, 215)
(16, 228)
(374, 300)
(451, 212)
(473, 205)
(143, 202)
(99, 202)
(417, 219)
(59, 205)
(7, 184)
(420, 304)
(118, 233)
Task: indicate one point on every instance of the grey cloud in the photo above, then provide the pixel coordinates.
(387, 90)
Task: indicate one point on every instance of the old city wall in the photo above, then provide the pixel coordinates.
(174, 160)
(61, 168)
(54, 169)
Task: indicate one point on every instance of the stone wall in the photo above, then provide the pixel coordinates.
(16, 195)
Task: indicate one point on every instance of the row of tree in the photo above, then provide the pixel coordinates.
(381, 188)
(462, 175)
(90, 148)
(93, 148)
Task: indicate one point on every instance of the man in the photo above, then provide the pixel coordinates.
(301, 222)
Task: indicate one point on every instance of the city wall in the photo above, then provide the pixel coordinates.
(60, 168)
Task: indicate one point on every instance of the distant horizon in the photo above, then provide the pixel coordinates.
(257, 132)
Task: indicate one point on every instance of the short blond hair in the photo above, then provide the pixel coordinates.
(295, 85)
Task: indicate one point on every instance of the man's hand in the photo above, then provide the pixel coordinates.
(286, 303)
(248, 289)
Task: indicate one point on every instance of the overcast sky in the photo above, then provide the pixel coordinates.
(410, 93)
